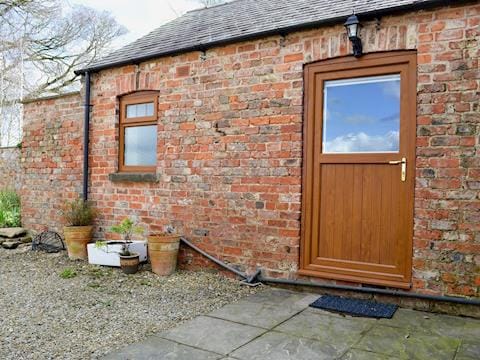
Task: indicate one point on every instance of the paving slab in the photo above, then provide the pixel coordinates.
(256, 313)
(429, 323)
(340, 332)
(469, 350)
(281, 297)
(155, 348)
(211, 334)
(278, 346)
(407, 344)
(356, 354)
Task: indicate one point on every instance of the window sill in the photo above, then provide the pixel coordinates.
(133, 177)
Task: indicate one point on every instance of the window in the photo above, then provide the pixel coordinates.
(138, 132)
(362, 115)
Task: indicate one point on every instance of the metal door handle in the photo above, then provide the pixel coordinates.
(404, 167)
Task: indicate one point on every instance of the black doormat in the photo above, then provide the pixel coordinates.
(355, 307)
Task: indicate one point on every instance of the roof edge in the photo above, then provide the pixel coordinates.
(305, 26)
(49, 97)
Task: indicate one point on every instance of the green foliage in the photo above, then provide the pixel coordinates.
(79, 213)
(68, 273)
(126, 228)
(9, 208)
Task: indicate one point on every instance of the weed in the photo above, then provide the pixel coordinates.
(68, 273)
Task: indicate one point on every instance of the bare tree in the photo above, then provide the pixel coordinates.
(41, 43)
(209, 3)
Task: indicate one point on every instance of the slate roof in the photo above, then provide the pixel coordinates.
(245, 19)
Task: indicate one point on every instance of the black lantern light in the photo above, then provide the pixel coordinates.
(353, 29)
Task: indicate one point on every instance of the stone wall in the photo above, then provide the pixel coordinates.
(52, 158)
(10, 169)
(230, 146)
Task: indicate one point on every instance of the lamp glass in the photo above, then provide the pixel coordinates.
(352, 30)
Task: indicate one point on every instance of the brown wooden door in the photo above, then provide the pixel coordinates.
(359, 156)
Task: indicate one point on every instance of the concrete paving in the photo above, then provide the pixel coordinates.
(277, 324)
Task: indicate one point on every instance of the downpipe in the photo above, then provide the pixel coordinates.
(86, 135)
(257, 278)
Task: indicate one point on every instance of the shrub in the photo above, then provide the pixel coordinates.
(9, 208)
(79, 213)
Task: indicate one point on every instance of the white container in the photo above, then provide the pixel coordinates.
(108, 254)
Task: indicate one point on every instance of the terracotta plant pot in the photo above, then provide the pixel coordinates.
(77, 238)
(129, 263)
(163, 251)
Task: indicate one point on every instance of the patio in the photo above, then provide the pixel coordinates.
(278, 324)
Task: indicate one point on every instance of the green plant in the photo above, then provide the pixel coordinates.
(126, 228)
(79, 213)
(68, 273)
(9, 208)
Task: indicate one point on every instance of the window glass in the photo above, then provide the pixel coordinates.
(140, 110)
(362, 115)
(140, 146)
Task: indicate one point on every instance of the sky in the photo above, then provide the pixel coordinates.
(140, 16)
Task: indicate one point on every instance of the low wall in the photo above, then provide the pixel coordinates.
(10, 169)
(52, 156)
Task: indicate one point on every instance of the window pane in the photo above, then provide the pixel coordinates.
(141, 146)
(140, 110)
(362, 115)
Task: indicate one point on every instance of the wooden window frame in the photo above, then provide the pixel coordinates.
(133, 99)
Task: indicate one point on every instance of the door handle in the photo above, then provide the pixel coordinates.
(404, 167)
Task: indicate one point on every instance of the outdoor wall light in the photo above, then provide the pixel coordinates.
(353, 29)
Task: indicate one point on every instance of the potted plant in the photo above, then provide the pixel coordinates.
(128, 260)
(79, 216)
(163, 252)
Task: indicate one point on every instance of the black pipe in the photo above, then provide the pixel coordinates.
(259, 278)
(86, 135)
(399, 293)
(215, 260)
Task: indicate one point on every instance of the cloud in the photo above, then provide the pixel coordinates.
(361, 142)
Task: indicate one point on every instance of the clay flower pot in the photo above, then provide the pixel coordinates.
(77, 238)
(163, 251)
(129, 263)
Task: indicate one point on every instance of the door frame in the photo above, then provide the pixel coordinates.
(311, 127)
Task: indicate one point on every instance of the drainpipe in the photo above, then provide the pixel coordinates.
(86, 135)
(257, 278)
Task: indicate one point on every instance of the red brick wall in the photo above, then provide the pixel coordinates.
(52, 157)
(230, 145)
(10, 170)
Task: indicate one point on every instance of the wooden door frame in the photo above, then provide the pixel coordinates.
(310, 128)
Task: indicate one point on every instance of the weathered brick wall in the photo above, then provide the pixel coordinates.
(230, 146)
(10, 170)
(52, 157)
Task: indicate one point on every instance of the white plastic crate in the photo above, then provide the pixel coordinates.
(108, 254)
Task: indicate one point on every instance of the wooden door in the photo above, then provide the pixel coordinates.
(358, 179)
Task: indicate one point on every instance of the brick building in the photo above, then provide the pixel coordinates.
(252, 129)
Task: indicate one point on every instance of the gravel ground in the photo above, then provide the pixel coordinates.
(44, 316)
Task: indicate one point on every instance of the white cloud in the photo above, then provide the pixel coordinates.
(361, 142)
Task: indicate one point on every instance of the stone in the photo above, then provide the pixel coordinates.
(222, 336)
(157, 348)
(25, 239)
(278, 346)
(10, 244)
(408, 344)
(12, 232)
